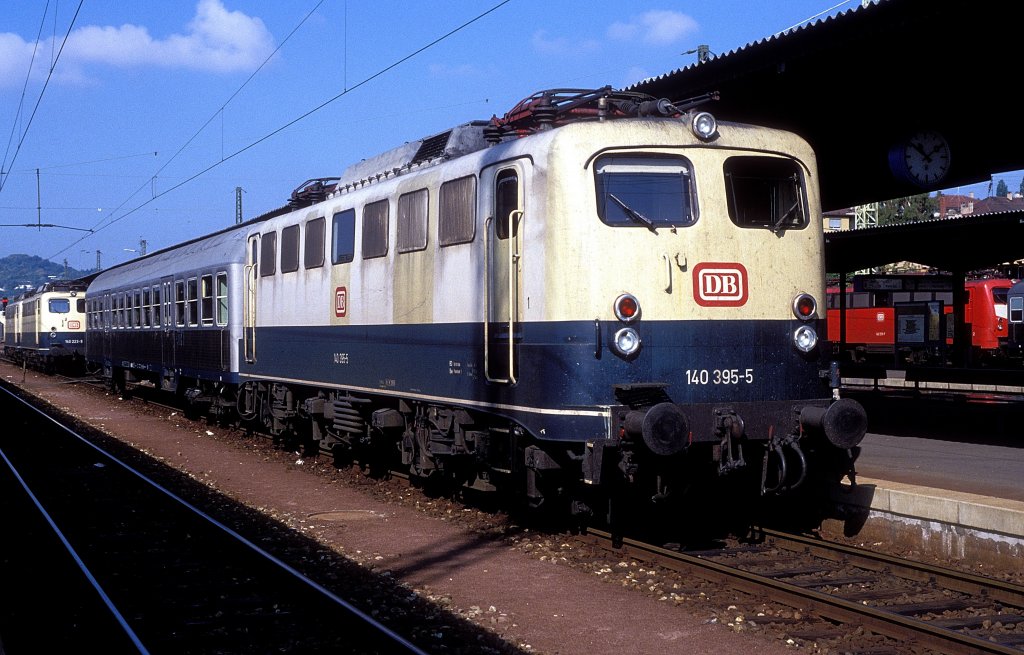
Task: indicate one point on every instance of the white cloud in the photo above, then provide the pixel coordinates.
(657, 27)
(216, 40)
(561, 46)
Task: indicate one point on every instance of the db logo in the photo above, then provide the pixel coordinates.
(717, 284)
(340, 301)
(74, 325)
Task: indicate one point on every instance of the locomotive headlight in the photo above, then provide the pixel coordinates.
(626, 342)
(804, 306)
(805, 338)
(627, 308)
(704, 126)
(53, 333)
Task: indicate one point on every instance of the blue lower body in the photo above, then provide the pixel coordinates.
(566, 375)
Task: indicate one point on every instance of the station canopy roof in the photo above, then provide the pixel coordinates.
(856, 85)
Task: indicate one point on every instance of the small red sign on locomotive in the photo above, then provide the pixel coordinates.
(74, 325)
(719, 284)
(340, 302)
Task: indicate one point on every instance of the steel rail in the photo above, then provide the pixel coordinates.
(824, 605)
(1004, 592)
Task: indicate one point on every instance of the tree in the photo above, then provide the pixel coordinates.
(911, 209)
(1021, 186)
(1001, 189)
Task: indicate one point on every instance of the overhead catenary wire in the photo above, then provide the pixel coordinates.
(292, 122)
(39, 100)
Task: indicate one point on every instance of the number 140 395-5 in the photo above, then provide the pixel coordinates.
(720, 376)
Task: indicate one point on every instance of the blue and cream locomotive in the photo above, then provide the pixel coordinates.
(45, 328)
(597, 290)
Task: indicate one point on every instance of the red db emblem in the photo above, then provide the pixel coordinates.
(717, 284)
(340, 301)
(74, 325)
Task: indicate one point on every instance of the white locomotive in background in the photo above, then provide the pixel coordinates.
(45, 327)
(599, 294)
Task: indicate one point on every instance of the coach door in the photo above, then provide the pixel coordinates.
(503, 264)
(167, 323)
(249, 299)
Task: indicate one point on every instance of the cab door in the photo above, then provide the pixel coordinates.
(503, 264)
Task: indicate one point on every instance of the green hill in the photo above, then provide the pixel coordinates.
(17, 270)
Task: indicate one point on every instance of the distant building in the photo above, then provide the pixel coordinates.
(837, 219)
(953, 206)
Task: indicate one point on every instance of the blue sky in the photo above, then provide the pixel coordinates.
(148, 124)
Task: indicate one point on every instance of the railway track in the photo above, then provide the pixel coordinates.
(108, 559)
(837, 590)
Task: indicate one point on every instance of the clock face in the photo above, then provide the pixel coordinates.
(923, 159)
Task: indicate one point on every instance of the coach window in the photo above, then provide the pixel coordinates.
(412, 221)
(765, 192)
(129, 309)
(179, 303)
(147, 307)
(645, 191)
(192, 300)
(138, 308)
(375, 229)
(268, 254)
(1016, 305)
(206, 289)
(313, 246)
(222, 298)
(157, 318)
(290, 249)
(506, 201)
(456, 219)
(343, 231)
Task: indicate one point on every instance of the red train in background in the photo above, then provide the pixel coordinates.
(908, 319)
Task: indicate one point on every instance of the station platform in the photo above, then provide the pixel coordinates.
(940, 474)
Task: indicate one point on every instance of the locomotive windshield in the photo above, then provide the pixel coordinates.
(60, 305)
(765, 192)
(646, 192)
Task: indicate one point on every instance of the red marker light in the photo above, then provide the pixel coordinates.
(627, 308)
(804, 306)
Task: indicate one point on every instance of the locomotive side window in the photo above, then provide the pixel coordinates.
(313, 253)
(456, 220)
(343, 246)
(222, 298)
(268, 254)
(506, 201)
(192, 301)
(375, 229)
(412, 221)
(765, 192)
(206, 290)
(179, 303)
(648, 192)
(80, 305)
(290, 249)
